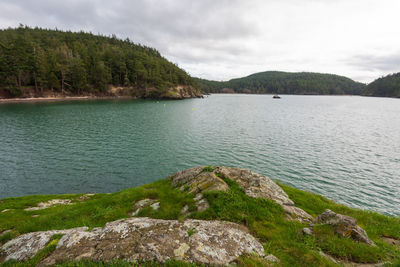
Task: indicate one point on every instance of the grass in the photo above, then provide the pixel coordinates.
(208, 169)
(94, 212)
(264, 218)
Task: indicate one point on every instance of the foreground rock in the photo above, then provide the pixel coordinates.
(142, 239)
(26, 246)
(202, 179)
(345, 226)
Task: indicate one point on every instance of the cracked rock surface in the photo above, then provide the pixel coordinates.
(144, 239)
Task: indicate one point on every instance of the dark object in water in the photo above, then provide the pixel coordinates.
(276, 96)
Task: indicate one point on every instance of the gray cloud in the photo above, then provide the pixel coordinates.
(385, 63)
(222, 39)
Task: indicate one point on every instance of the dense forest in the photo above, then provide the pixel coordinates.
(388, 86)
(80, 63)
(285, 83)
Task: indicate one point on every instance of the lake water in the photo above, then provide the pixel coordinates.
(346, 148)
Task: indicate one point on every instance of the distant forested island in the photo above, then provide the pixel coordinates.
(36, 62)
(276, 82)
(388, 86)
(303, 83)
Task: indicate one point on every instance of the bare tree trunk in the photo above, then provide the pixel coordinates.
(36, 86)
(20, 80)
(62, 82)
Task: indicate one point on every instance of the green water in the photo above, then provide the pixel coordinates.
(346, 148)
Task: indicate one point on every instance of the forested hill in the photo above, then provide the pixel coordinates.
(71, 63)
(388, 86)
(285, 83)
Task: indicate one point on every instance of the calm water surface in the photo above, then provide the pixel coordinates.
(345, 148)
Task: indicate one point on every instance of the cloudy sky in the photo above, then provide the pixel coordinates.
(223, 39)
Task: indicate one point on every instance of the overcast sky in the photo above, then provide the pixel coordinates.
(223, 39)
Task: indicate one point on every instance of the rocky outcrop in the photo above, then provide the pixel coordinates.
(142, 239)
(202, 179)
(345, 226)
(176, 92)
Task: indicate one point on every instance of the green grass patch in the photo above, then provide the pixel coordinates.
(265, 219)
(376, 225)
(208, 169)
(93, 212)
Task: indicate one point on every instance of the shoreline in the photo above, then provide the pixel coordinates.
(60, 99)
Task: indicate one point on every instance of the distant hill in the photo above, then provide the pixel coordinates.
(75, 63)
(388, 86)
(285, 83)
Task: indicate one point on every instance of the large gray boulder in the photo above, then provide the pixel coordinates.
(344, 225)
(201, 179)
(26, 246)
(142, 239)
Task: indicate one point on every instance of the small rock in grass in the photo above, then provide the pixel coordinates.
(198, 196)
(143, 203)
(85, 197)
(50, 203)
(307, 231)
(272, 258)
(328, 257)
(5, 232)
(155, 206)
(185, 210)
(202, 205)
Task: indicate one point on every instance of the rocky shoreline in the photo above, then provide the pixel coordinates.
(113, 92)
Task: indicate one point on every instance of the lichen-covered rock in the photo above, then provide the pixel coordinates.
(391, 241)
(307, 231)
(199, 181)
(85, 197)
(5, 210)
(345, 226)
(5, 232)
(272, 258)
(142, 239)
(50, 203)
(26, 246)
(255, 185)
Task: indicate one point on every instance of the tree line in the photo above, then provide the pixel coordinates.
(275, 82)
(80, 62)
(388, 86)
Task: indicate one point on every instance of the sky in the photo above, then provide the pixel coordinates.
(224, 39)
